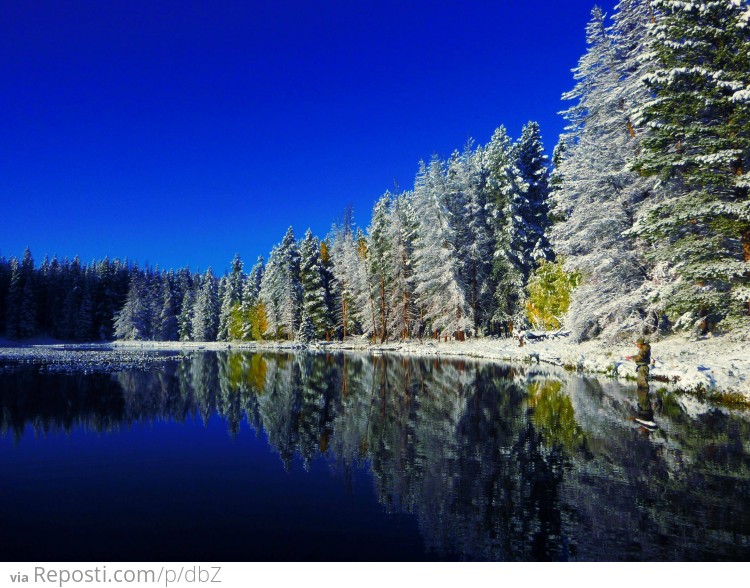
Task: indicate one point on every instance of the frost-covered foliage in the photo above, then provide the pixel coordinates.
(597, 197)
(449, 258)
(698, 146)
(281, 288)
(513, 241)
(534, 170)
(439, 289)
(346, 280)
(206, 309)
(313, 282)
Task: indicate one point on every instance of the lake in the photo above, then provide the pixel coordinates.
(225, 456)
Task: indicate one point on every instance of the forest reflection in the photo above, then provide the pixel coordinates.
(495, 463)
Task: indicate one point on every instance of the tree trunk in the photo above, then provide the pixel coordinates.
(344, 314)
(382, 309)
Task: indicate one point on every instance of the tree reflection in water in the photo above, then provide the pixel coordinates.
(495, 463)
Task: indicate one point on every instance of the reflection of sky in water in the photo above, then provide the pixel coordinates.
(381, 458)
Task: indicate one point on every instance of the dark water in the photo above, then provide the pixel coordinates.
(238, 456)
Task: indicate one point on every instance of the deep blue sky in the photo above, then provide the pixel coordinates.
(179, 133)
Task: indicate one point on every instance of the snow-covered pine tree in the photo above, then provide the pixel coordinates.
(231, 290)
(379, 265)
(13, 301)
(168, 324)
(345, 268)
(251, 289)
(476, 241)
(270, 292)
(206, 310)
(532, 166)
(21, 306)
(237, 279)
(131, 323)
(436, 271)
(363, 286)
(281, 290)
(313, 287)
(597, 197)
(185, 320)
(226, 303)
(307, 329)
(506, 195)
(401, 226)
(326, 268)
(249, 307)
(698, 145)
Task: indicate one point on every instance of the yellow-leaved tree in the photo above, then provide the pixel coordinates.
(549, 294)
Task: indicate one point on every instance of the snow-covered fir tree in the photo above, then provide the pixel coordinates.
(314, 304)
(185, 326)
(307, 330)
(532, 166)
(168, 324)
(131, 323)
(281, 290)
(345, 269)
(205, 324)
(363, 286)
(506, 196)
(477, 247)
(401, 227)
(698, 146)
(597, 196)
(438, 289)
(231, 290)
(380, 276)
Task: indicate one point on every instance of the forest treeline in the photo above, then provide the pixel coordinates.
(640, 225)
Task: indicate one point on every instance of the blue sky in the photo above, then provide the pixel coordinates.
(179, 133)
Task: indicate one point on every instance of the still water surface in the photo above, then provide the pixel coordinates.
(242, 456)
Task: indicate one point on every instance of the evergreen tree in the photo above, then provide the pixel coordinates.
(438, 288)
(206, 310)
(186, 317)
(227, 302)
(85, 322)
(698, 145)
(307, 330)
(131, 321)
(13, 301)
(326, 270)
(314, 304)
(478, 240)
(230, 294)
(597, 196)
(281, 290)
(168, 323)
(399, 266)
(380, 276)
(345, 268)
(532, 166)
(507, 199)
(251, 289)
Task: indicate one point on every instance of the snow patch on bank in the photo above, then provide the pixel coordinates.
(711, 364)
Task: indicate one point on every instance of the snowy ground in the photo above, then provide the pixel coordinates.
(82, 358)
(711, 364)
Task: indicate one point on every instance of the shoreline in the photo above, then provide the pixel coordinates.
(714, 365)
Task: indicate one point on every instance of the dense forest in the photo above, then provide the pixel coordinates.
(641, 224)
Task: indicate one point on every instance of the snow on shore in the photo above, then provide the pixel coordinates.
(710, 364)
